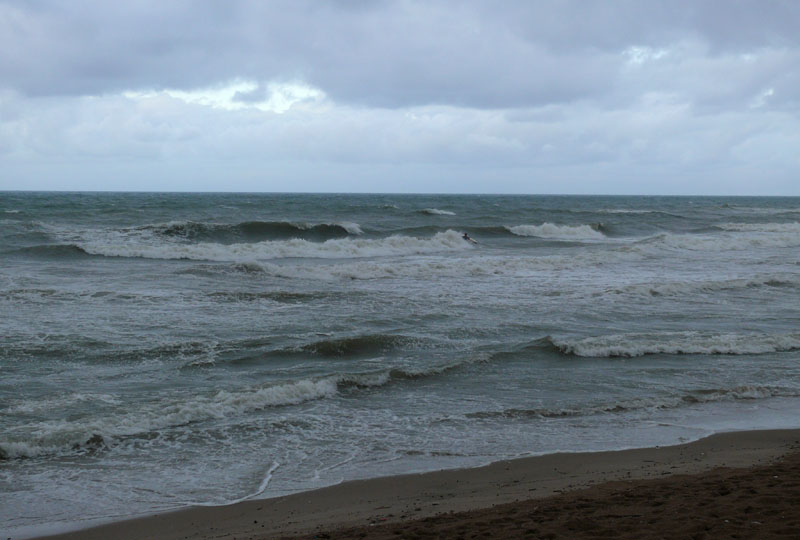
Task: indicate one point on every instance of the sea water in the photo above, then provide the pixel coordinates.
(165, 350)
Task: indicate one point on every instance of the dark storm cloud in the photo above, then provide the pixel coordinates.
(389, 54)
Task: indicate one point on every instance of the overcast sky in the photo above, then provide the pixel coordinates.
(619, 97)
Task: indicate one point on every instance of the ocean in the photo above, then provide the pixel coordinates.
(166, 350)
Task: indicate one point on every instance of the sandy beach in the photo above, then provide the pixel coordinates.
(738, 484)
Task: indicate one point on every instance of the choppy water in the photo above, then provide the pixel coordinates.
(160, 350)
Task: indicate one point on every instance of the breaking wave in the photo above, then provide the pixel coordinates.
(743, 238)
(560, 232)
(101, 433)
(295, 248)
(632, 345)
(436, 212)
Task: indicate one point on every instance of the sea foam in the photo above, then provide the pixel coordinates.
(559, 232)
(296, 248)
(631, 345)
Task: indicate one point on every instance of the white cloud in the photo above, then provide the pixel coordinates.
(278, 97)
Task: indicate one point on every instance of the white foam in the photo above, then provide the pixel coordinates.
(260, 251)
(54, 436)
(560, 232)
(437, 212)
(432, 266)
(725, 241)
(38, 405)
(350, 227)
(630, 345)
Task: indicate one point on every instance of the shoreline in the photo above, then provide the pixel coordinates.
(409, 497)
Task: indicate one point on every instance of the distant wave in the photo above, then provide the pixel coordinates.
(743, 238)
(627, 211)
(560, 232)
(632, 345)
(253, 231)
(339, 248)
(436, 212)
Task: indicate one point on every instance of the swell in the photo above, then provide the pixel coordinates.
(51, 251)
(193, 353)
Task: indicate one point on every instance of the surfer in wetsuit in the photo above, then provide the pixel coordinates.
(468, 239)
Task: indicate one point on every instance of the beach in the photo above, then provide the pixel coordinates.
(738, 483)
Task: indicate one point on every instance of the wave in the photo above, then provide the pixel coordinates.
(628, 211)
(424, 267)
(253, 231)
(295, 248)
(436, 212)
(730, 240)
(97, 434)
(560, 232)
(52, 251)
(690, 397)
(632, 345)
(356, 345)
(284, 297)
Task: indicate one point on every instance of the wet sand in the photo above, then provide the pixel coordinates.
(739, 484)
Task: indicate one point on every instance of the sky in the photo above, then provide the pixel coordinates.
(584, 96)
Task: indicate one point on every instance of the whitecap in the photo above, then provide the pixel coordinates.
(560, 232)
(632, 345)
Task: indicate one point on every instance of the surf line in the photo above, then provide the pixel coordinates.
(262, 487)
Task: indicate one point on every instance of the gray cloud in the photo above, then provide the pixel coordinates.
(391, 54)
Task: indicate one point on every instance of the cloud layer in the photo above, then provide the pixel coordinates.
(623, 97)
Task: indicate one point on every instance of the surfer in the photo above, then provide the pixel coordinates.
(468, 239)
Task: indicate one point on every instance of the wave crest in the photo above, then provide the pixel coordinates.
(560, 232)
(331, 249)
(253, 231)
(436, 212)
(632, 345)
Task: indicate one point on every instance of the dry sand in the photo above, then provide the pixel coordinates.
(730, 485)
